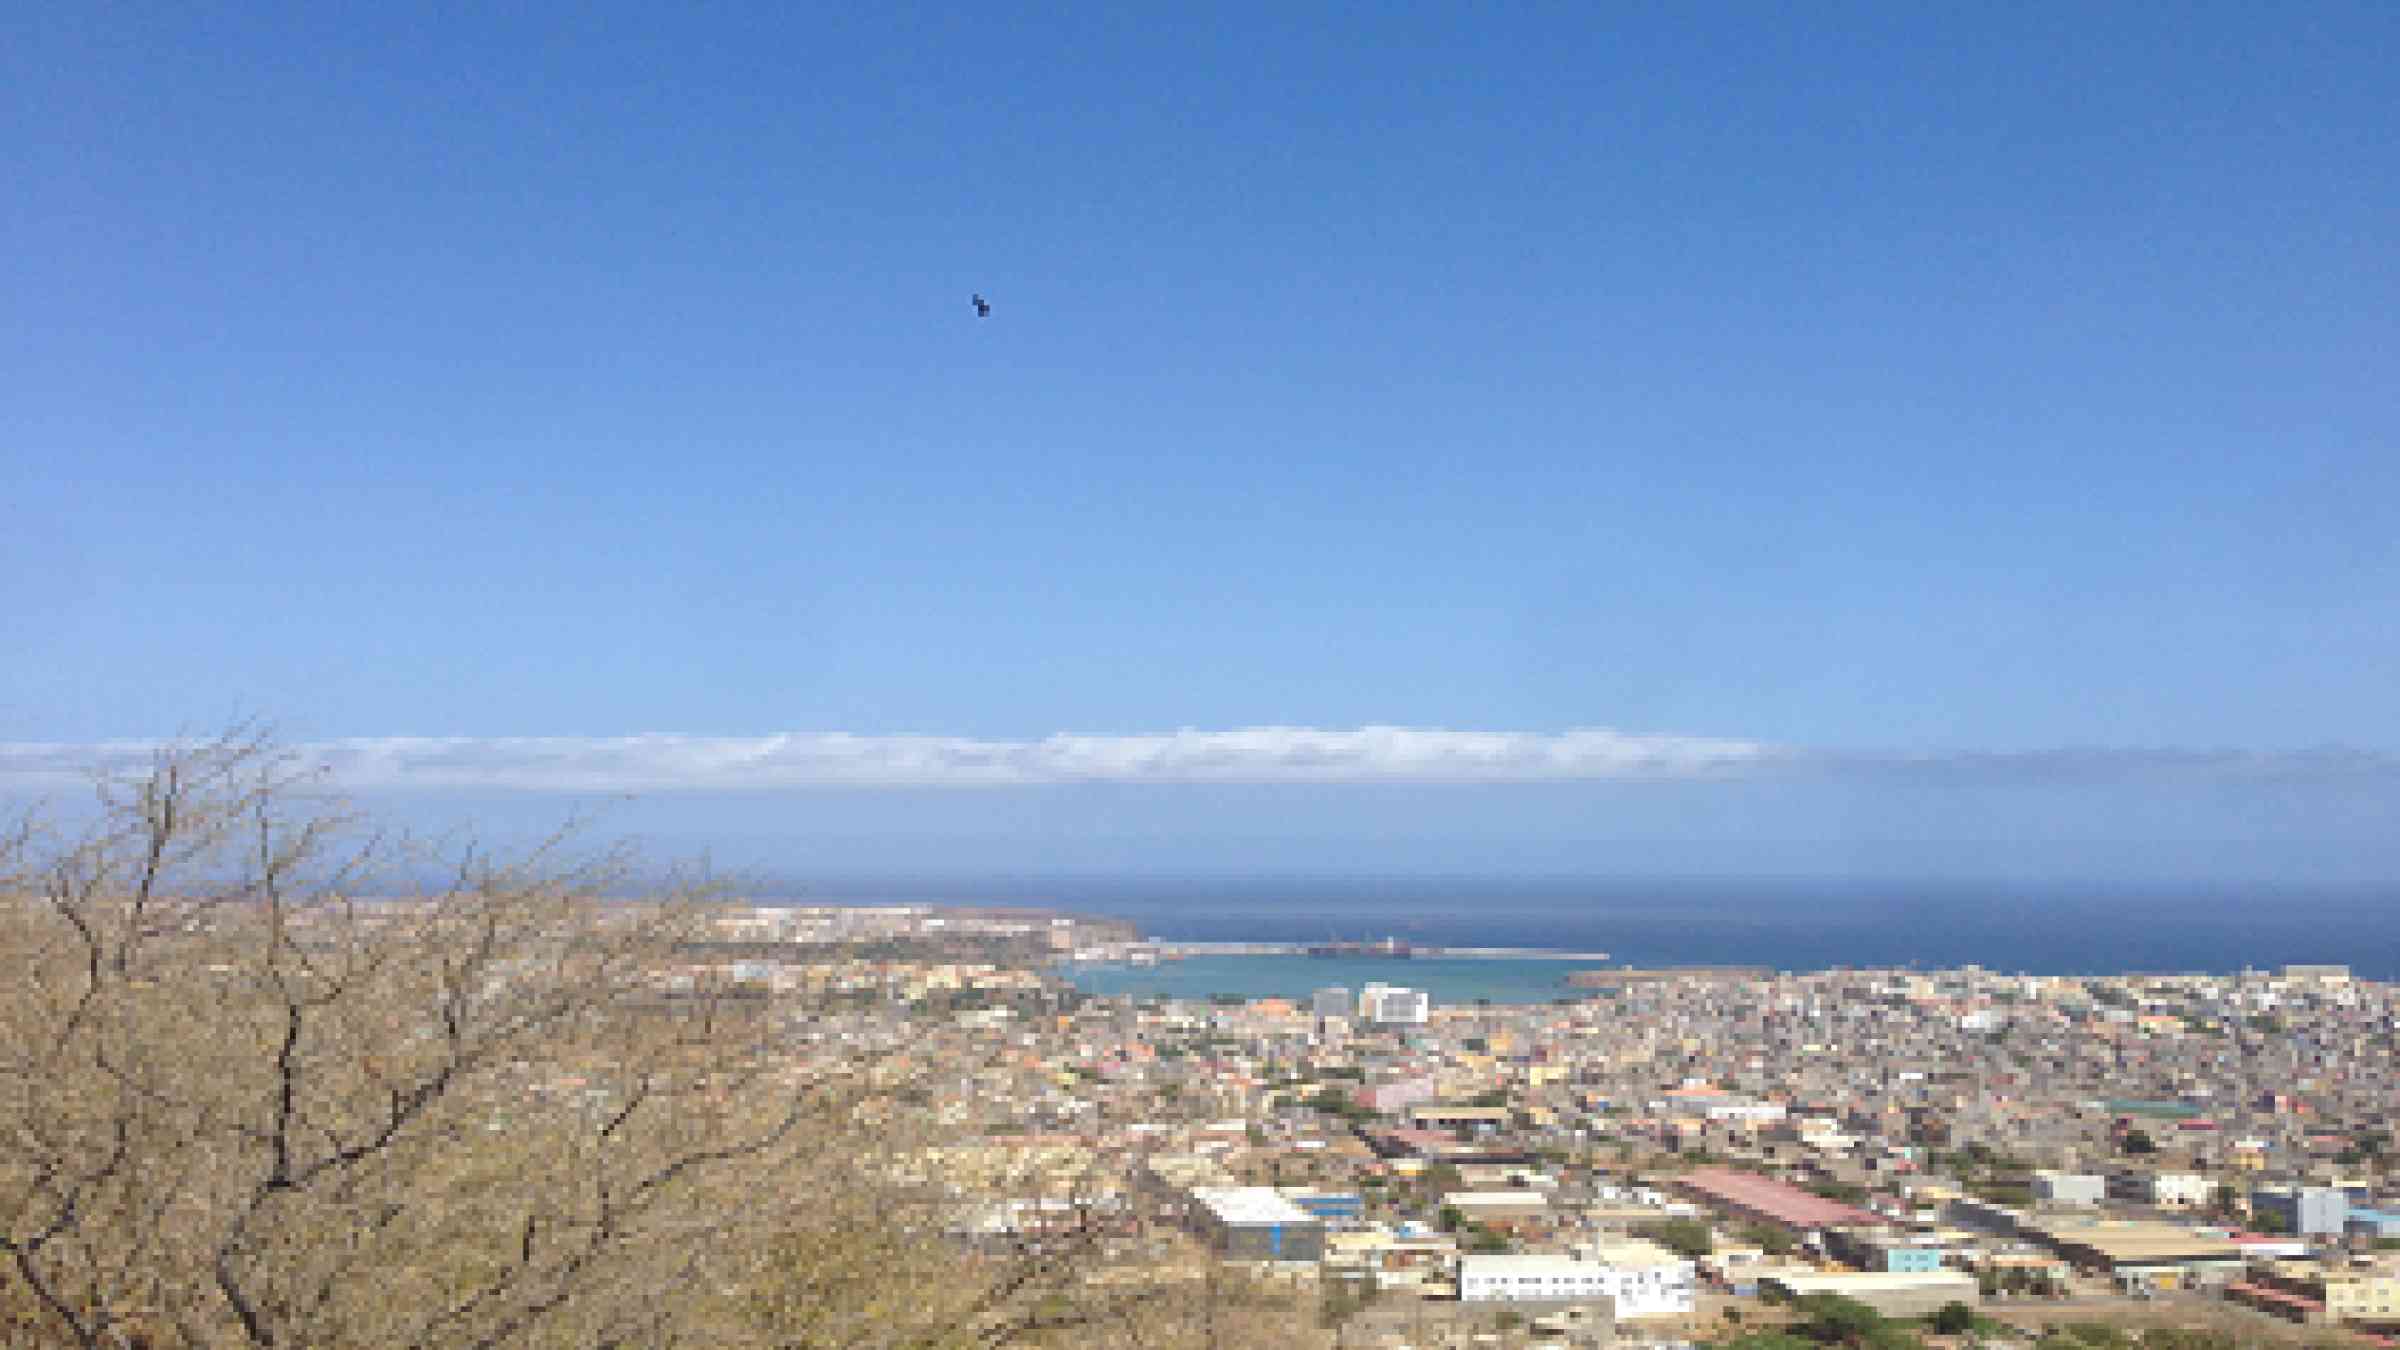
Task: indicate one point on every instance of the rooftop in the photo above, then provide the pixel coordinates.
(2146, 1241)
(1523, 1265)
(1869, 1282)
(1251, 1205)
(1763, 1195)
(1630, 1252)
(1513, 1199)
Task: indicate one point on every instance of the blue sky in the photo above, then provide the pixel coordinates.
(1860, 383)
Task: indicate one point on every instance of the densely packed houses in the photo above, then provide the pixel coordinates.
(1677, 1146)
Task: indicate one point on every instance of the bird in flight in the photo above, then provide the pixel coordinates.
(983, 308)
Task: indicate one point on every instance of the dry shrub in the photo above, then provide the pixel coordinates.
(258, 1086)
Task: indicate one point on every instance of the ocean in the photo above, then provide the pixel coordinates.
(1787, 925)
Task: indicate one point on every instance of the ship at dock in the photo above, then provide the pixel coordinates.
(1390, 947)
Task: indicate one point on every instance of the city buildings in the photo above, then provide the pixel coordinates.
(1394, 1005)
(1641, 1279)
(1884, 1250)
(2310, 1211)
(2372, 1224)
(2090, 1134)
(2313, 1294)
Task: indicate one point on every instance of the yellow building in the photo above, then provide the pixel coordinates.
(2304, 1291)
(2361, 1296)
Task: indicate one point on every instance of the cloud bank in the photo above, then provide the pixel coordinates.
(672, 763)
(655, 763)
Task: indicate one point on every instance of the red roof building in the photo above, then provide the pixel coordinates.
(1767, 1200)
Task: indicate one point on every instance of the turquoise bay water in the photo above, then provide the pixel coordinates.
(2052, 929)
(1448, 979)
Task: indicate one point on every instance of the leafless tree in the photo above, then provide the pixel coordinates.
(261, 1086)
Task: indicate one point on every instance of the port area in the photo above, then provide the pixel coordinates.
(1176, 951)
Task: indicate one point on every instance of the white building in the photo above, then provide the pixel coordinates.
(1513, 1203)
(2181, 1190)
(1641, 1279)
(1256, 1223)
(2161, 1190)
(2069, 1188)
(1392, 1005)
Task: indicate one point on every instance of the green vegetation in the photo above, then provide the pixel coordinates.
(1830, 1319)
(1336, 1103)
(1684, 1237)
(1770, 1239)
(2100, 1336)
(1482, 1241)
(1954, 1319)
(2017, 1280)
(2002, 1190)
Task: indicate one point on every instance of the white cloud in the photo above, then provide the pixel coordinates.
(667, 763)
(1373, 754)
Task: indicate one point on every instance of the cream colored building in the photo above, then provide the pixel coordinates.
(2362, 1296)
